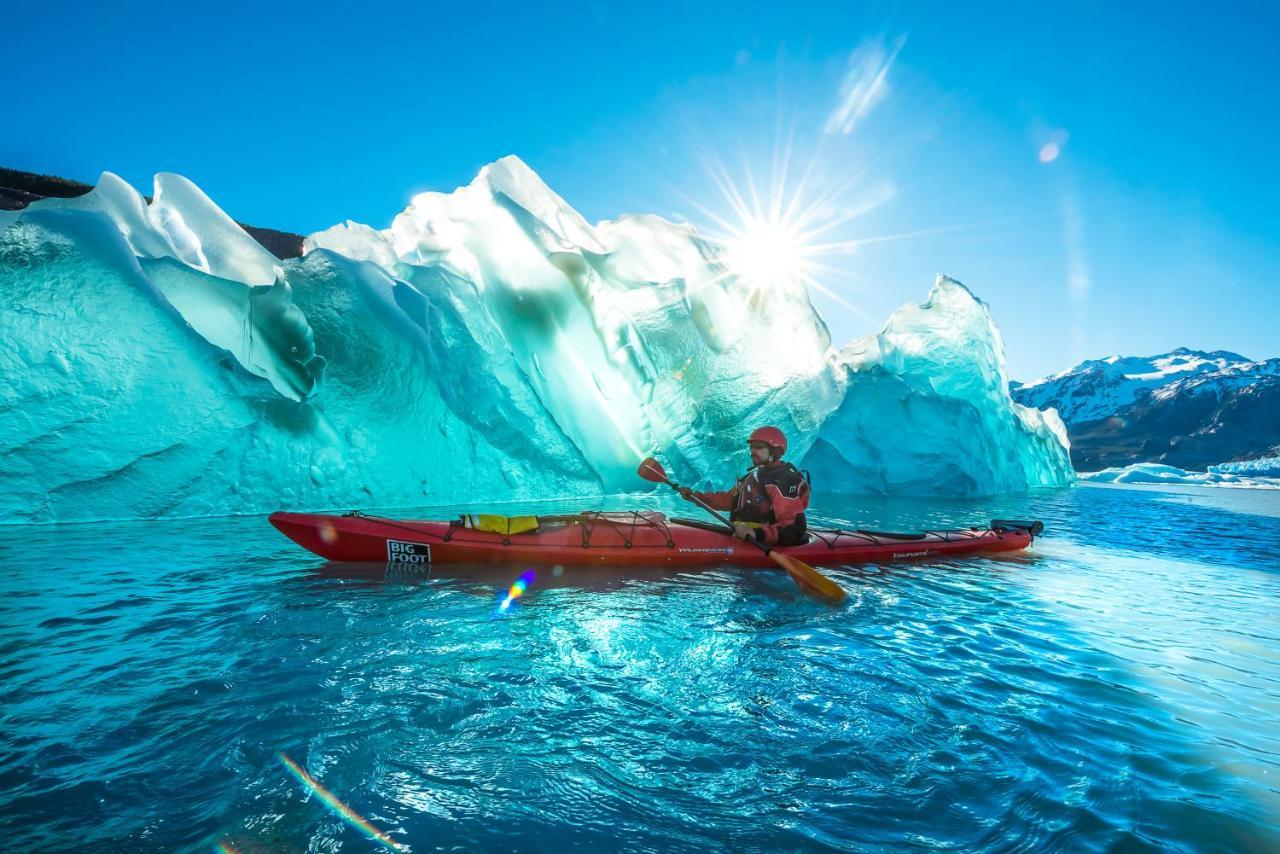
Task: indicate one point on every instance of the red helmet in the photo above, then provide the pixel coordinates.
(772, 437)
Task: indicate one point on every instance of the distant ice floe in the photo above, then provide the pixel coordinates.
(1155, 473)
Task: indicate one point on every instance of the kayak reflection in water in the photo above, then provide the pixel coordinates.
(768, 502)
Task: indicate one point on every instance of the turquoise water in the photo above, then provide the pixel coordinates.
(1117, 686)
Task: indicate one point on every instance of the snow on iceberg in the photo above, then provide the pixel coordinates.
(491, 344)
(1158, 473)
(179, 222)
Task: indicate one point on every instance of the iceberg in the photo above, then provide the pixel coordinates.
(1268, 466)
(926, 410)
(1158, 473)
(489, 345)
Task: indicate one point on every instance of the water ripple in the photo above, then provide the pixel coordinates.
(1115, 688)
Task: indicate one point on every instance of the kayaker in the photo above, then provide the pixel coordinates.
(768, 502)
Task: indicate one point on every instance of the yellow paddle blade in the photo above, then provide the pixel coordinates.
(808, 578)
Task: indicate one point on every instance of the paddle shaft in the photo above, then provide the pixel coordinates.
(705, 506)
(808, 578)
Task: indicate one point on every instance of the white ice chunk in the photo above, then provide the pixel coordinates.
(221, 281)
(181, 223)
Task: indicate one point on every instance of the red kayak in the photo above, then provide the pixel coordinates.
(623, 540)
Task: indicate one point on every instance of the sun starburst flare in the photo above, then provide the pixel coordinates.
(777, 238)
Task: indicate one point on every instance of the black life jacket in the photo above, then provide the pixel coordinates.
(752, 502)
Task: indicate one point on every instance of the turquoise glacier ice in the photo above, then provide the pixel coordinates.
(490, 345)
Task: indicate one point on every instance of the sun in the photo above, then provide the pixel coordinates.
(766, 254)
(775, 236)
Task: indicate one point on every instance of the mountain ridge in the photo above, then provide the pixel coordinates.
(1186, 408)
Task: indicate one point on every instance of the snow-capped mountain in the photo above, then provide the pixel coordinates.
(1186, 408)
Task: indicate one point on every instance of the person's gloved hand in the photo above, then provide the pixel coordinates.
(686, 493)
(743, 531)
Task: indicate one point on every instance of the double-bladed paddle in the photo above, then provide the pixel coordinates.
(806, 577)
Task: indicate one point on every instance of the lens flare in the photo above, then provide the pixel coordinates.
(340, 809)
(517, 589)
(328, 533)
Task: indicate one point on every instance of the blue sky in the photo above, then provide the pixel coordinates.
(1152, 225)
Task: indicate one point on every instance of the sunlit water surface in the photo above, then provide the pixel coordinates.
(1117, 686)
